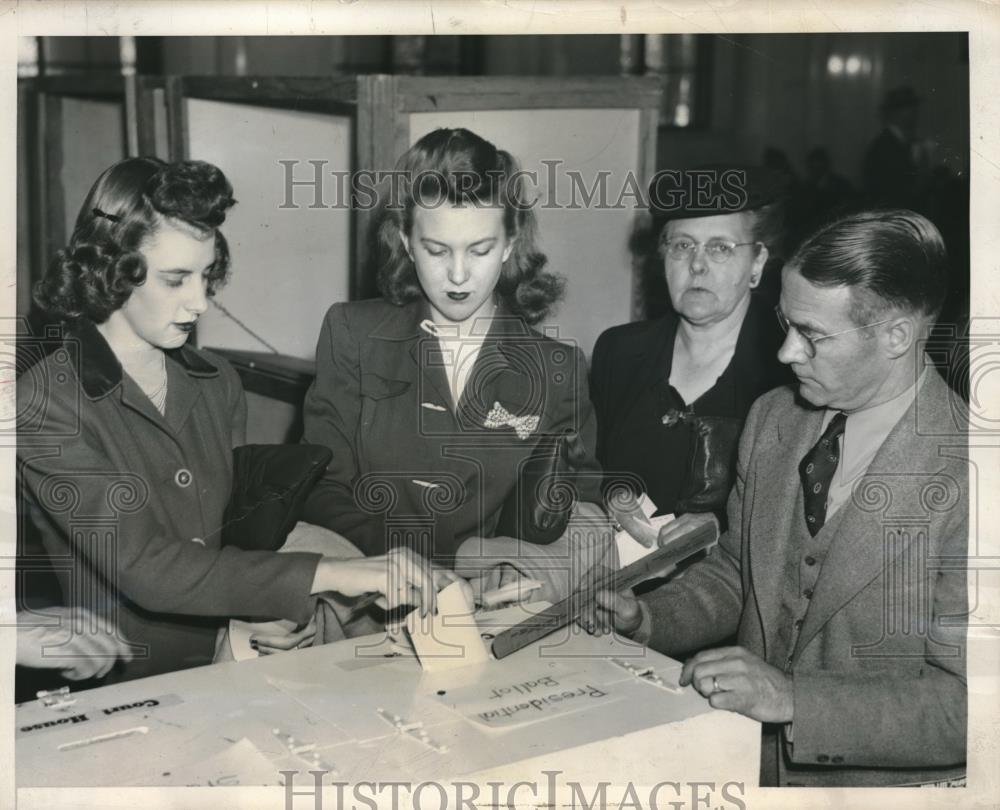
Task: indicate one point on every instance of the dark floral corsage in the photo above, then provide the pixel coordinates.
(675, 417)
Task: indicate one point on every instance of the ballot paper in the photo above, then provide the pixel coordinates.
(630, 550)
(529, 698)
(449, 638)
(382, 650)
(637, 538)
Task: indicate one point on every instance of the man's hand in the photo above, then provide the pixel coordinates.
(612, 610)
(733, 678)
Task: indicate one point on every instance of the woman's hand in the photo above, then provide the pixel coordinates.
(80, 655)
(293, 638)
(684, 523)
(402, 575)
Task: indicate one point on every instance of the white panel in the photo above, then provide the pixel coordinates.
(289, 264)
(93, 138)
(588, 245)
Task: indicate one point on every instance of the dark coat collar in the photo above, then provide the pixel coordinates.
(500, 365)
(402, 323)
(99, 371)
(754, 363)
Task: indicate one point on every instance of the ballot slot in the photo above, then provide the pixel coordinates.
(350, 701)
(448, 638)
(668, 680)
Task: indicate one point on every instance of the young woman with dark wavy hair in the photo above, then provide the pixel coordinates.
(126, 433)
(434, 396)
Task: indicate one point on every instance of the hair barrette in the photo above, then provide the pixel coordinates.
(99, 213)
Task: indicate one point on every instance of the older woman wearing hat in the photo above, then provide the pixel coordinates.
(671, 394)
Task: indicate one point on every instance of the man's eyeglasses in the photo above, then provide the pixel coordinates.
(718, 250)
(810, 342)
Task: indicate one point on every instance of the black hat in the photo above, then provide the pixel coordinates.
(900, 98)
(712, 190)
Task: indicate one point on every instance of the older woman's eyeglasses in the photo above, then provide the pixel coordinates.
(718, 250)
(810, 341)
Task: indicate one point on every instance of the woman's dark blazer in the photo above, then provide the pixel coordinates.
(129, 502)
(630, 359)
(408, 469)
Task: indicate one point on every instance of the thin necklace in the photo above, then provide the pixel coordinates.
(130, 355)
(157, 395)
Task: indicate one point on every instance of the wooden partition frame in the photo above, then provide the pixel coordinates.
(379, 107)
(386, 102)
(272, 375)
(41, 99)
(38, 100)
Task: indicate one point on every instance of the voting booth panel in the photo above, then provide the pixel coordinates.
(290, 260)
(71, 128)
(589, 146)
(291, 242)
(91, 134)
(307, 248)
(298, 247)
(586, 244)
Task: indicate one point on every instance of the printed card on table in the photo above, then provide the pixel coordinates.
(503, 704)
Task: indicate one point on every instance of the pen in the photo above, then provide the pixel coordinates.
(515, 592)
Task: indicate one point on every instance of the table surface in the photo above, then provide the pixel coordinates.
(230, 724)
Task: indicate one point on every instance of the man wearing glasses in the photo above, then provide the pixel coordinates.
(842, 571)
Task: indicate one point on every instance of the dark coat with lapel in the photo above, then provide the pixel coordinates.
(879, 664)
(411, 468)
(632, 358)
(129, 502)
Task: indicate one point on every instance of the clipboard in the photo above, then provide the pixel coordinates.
(563, 613)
